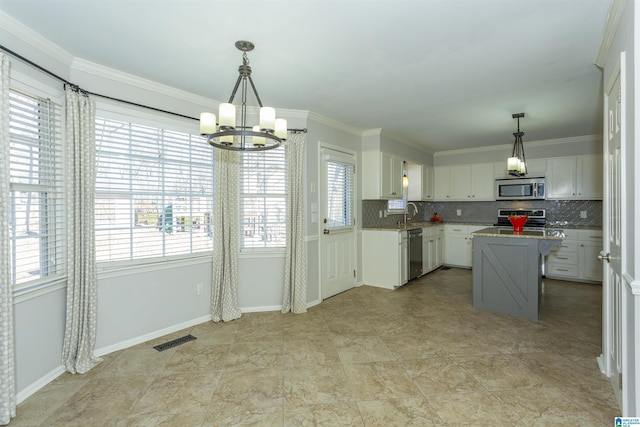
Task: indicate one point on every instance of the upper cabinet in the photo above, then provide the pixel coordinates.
(575, 177)
(420, 182)
(382, 175)
(465, 182)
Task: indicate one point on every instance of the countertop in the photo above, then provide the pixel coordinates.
(423, 224)
(546, 234)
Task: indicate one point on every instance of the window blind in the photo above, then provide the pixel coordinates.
(263, 199)
(36, 186)
(340, 193)
(154, 192)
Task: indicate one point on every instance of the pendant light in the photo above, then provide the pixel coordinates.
(229, 135)
(517, 163)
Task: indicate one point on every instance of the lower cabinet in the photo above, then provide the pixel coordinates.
(432, 247)
(458, 246)
(576, 259)
(384, 258)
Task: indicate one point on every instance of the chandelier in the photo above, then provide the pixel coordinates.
(517, 164)
(227, 134)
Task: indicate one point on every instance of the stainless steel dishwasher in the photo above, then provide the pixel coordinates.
(415, 253)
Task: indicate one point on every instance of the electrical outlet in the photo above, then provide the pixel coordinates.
(583, 214)
(380, 214)
(199, 287)
(459, 212)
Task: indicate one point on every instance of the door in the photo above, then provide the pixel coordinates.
(611, 256)
(338, 237)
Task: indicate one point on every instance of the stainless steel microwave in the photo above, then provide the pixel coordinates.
(520, 189)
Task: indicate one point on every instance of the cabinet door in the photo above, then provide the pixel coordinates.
(442, 183)
(438, 250)
(561, 178)
(483, 182)
(390, 176)
(536, 167)
(589, 176)
(427, 182)
(456, 250)
(426, 248)
(461, 182)
(589, 266)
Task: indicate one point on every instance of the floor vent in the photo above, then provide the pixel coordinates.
(173, 343)
(445, 268)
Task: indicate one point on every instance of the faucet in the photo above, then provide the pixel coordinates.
(406, 211)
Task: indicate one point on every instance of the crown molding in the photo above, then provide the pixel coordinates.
(611, 24)
(540, 143)
(334, 123)
(405, 141)
(82, 65)
(35, 40)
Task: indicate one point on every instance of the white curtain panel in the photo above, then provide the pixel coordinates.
(7, 354)
(82, 286)
(295, 273)
(224, 286)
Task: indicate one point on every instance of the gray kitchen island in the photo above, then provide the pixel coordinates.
(507, 269)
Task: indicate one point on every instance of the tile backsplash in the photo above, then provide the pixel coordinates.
(559, 212)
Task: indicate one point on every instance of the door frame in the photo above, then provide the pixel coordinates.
(356, 210)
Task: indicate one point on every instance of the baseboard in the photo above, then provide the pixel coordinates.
(22, 395)
(150, 336)
(314, 303)
(261, 309)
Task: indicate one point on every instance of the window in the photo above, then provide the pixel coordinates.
(36, 189)
(154, 192)
(263, 199)
(339, 194)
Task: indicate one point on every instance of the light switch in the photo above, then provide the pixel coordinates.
(459, 212)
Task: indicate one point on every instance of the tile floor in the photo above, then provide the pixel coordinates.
(420, 355)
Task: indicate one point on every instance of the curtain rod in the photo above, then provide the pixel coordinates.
(76, 87)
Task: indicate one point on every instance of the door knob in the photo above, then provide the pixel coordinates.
(326, 231)
(606, 257)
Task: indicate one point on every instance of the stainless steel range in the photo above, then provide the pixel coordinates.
(537, 217)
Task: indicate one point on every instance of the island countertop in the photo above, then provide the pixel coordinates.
(546, 234)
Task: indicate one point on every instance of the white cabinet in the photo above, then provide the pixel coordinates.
(465, 182)
(420, 182)
(432, 247)
(427, 182)
(562, 262)
(382, 175)
(589, 247)
(575, 177)
(458, 244)
(577, 259)
(391, 184)
(590, 176)
(384, 258)
(442, 185)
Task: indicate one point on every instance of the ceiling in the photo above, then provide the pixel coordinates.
(446, 74)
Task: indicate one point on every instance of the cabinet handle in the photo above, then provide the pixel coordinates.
(561, 257)
(581, 245)
(562, 269)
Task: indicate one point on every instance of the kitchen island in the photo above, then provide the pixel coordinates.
(507, 269)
